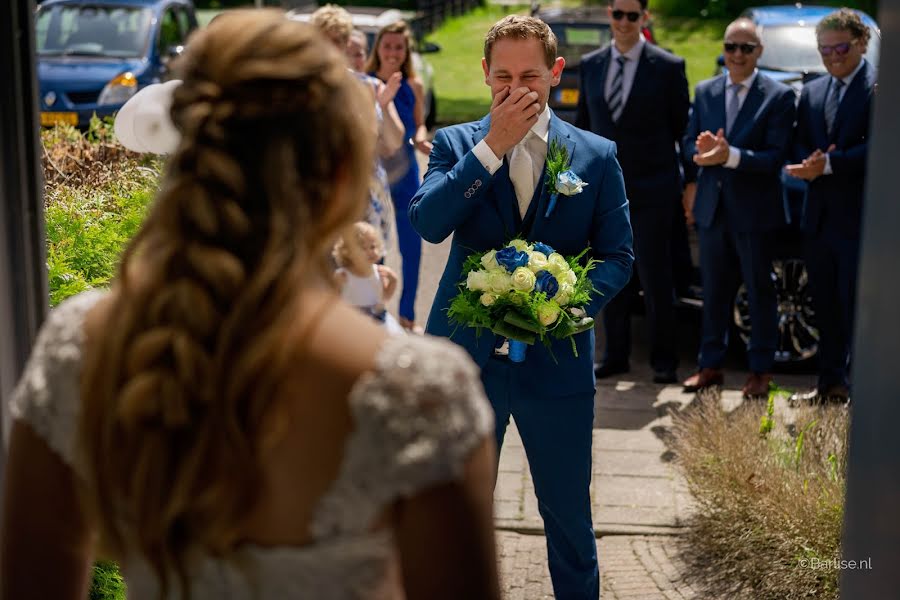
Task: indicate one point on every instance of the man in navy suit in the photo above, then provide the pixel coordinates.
(485, 186)
(738, 202)
(636, 94)
(832, 140)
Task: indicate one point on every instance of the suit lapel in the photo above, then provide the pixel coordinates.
(644, 67)
(504, 195)
(717, 104)
(751, 104)
(534, 217)
(853, 97)
(605, 56)
(817, 114)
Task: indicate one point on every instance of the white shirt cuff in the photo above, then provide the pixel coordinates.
(486, 157)
(827, 170)
(734, 158)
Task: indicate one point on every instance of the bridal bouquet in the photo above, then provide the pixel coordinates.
(525, 293)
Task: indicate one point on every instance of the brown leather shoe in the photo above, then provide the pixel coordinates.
(703, 378)
(757, 385)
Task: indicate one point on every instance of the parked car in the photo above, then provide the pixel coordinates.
(790, 55)
(94, 56)
(788, 35)
(370, 20)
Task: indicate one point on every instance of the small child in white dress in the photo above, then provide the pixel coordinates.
(364, 282)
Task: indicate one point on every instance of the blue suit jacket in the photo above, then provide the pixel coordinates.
(834, 202)
(652, 121)
(751, 194)
(458, 196)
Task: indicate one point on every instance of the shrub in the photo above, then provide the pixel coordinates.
(769, 487)
(95, 196)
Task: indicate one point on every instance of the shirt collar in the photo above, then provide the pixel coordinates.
(541, 128)
(849, 78)
(634, 54)
(747, 83)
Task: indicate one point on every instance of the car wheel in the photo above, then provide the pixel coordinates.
(798, 336)
(431, 119)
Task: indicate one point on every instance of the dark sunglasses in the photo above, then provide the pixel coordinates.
(632, 15)
(731, 47)
(839, 49)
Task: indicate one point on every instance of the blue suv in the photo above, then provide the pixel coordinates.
(93, 55)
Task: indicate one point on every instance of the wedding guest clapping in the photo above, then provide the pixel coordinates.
(392, 56)
(219, 422)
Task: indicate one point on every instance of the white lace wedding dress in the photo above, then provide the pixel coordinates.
(417, 418)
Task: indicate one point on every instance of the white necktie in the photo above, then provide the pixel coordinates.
(521, 172)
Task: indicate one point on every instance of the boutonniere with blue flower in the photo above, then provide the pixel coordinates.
(559, 179)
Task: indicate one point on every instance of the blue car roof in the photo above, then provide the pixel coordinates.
(147, 3)
(793, 13)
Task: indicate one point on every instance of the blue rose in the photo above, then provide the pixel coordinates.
(546, 283)
(511, 259)
(543, 249)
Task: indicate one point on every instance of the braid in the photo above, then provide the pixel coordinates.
(178, 392)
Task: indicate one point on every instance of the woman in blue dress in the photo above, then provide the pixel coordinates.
(392, 54)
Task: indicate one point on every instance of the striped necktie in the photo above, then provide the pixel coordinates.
(733, 108)
(831, 107)
(616, 101)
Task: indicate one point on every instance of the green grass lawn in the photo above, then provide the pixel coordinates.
(463, 96)
(697, 41)
(458, 80)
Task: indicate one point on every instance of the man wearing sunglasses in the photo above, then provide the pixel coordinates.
(636, 94)
(739, 136)
(831, 142)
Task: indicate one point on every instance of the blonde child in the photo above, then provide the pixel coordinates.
(364, 282)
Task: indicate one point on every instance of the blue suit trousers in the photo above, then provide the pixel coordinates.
(725, 257)
(556, 433)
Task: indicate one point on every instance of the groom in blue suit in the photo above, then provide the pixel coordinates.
(485, 186)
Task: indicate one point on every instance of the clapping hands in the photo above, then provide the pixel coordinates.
(812, 166)
(712, 149)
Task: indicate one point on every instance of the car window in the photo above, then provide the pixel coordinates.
(184, 23)
(169, 31)
(576, 40)
(85, 30)
(794, 48)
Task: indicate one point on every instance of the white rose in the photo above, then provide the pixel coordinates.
(570, 277)
(523, 280)
(488, 299)
(564, 294)
(489, 260)
(537, 261)
(556, 264)
(477, 281)
(520, 245)
(498, 282)
(548, 313)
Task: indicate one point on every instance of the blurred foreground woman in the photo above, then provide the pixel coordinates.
(218, 422)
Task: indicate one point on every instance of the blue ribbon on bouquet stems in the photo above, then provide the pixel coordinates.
(517, 351)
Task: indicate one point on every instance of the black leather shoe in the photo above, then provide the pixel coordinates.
(665, 377)
(609, 369)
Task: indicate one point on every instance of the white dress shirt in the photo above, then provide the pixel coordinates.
(633, 57)
(535, 142)
(734, 154)
(843, 91)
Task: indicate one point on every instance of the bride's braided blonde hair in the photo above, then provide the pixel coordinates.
(273, 163)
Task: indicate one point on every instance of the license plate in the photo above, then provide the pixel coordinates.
(53, 118)
(568, 96)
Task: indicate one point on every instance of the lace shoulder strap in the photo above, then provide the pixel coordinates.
(47, 395)
(418, 417)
